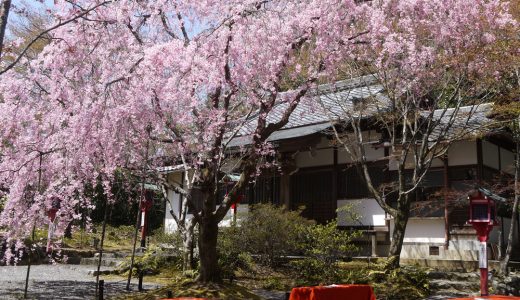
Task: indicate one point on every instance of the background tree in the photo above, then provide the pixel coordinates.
(11, 53)
(25, 29)
(507, 114)
(503, 54)
(423, 77)
(5, 8)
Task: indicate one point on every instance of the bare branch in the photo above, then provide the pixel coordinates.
(183, 29)
(166, 25)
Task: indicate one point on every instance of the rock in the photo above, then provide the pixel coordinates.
(509, 285)
(102, 272)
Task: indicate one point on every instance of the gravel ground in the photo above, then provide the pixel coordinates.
(57, 282)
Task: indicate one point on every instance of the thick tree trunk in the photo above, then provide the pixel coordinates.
(4, 15)
(191, 256)
(400, 222)
(187, 248)
(185, 251)
(510, 240)
(208, 233)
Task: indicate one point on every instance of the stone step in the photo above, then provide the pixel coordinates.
(447, 294)
(115, 254)
(442, 285)
(106, 262)
(457, 276)
(102, 272)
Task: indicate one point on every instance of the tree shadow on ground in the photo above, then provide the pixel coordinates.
(70, 290)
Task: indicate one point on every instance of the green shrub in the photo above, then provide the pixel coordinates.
(406, 282)
(273, 283)
(267, 232)
(271, 232)
(323, 247)
(159, 236)
(232, 252)
(153, 260)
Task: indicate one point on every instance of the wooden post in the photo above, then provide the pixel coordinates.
(29, 253)
(103, 230)
(143, 179)
(101, 289)
(140, 283)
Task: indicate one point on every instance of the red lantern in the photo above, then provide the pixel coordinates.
(482, 215)
(51, 213)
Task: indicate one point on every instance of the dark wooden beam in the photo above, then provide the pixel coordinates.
(480, 162)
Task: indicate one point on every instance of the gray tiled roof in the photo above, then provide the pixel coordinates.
(468, 120)
(309, 117)
(331, 102)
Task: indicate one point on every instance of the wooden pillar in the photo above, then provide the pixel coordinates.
(285, 190)
(446, 211)
(480, 163)
(373, 237)
(335, 180)
(285, 179)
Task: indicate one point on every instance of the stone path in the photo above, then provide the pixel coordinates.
(56, 282)
(270, 295)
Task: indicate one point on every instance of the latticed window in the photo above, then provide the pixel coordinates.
(314, 190)
(263, 190)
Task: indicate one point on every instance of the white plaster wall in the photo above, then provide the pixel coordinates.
(321, 157)
(369, 212)
(228, 219)
(368, 136)
(461, 247)
(423, 230)
(170, 225)
(507, 159)
(370, 151)
(490, 155)
(343, 156)
(462, 153)
(422, 251)
(324, 143)
(409, 163)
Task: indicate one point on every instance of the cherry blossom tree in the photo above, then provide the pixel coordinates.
(182, 77)
(431, 59)
(131, 72)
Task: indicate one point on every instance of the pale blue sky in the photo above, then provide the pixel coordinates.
(39, 6)
(30, 4)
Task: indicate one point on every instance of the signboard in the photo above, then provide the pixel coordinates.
(482, 257)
